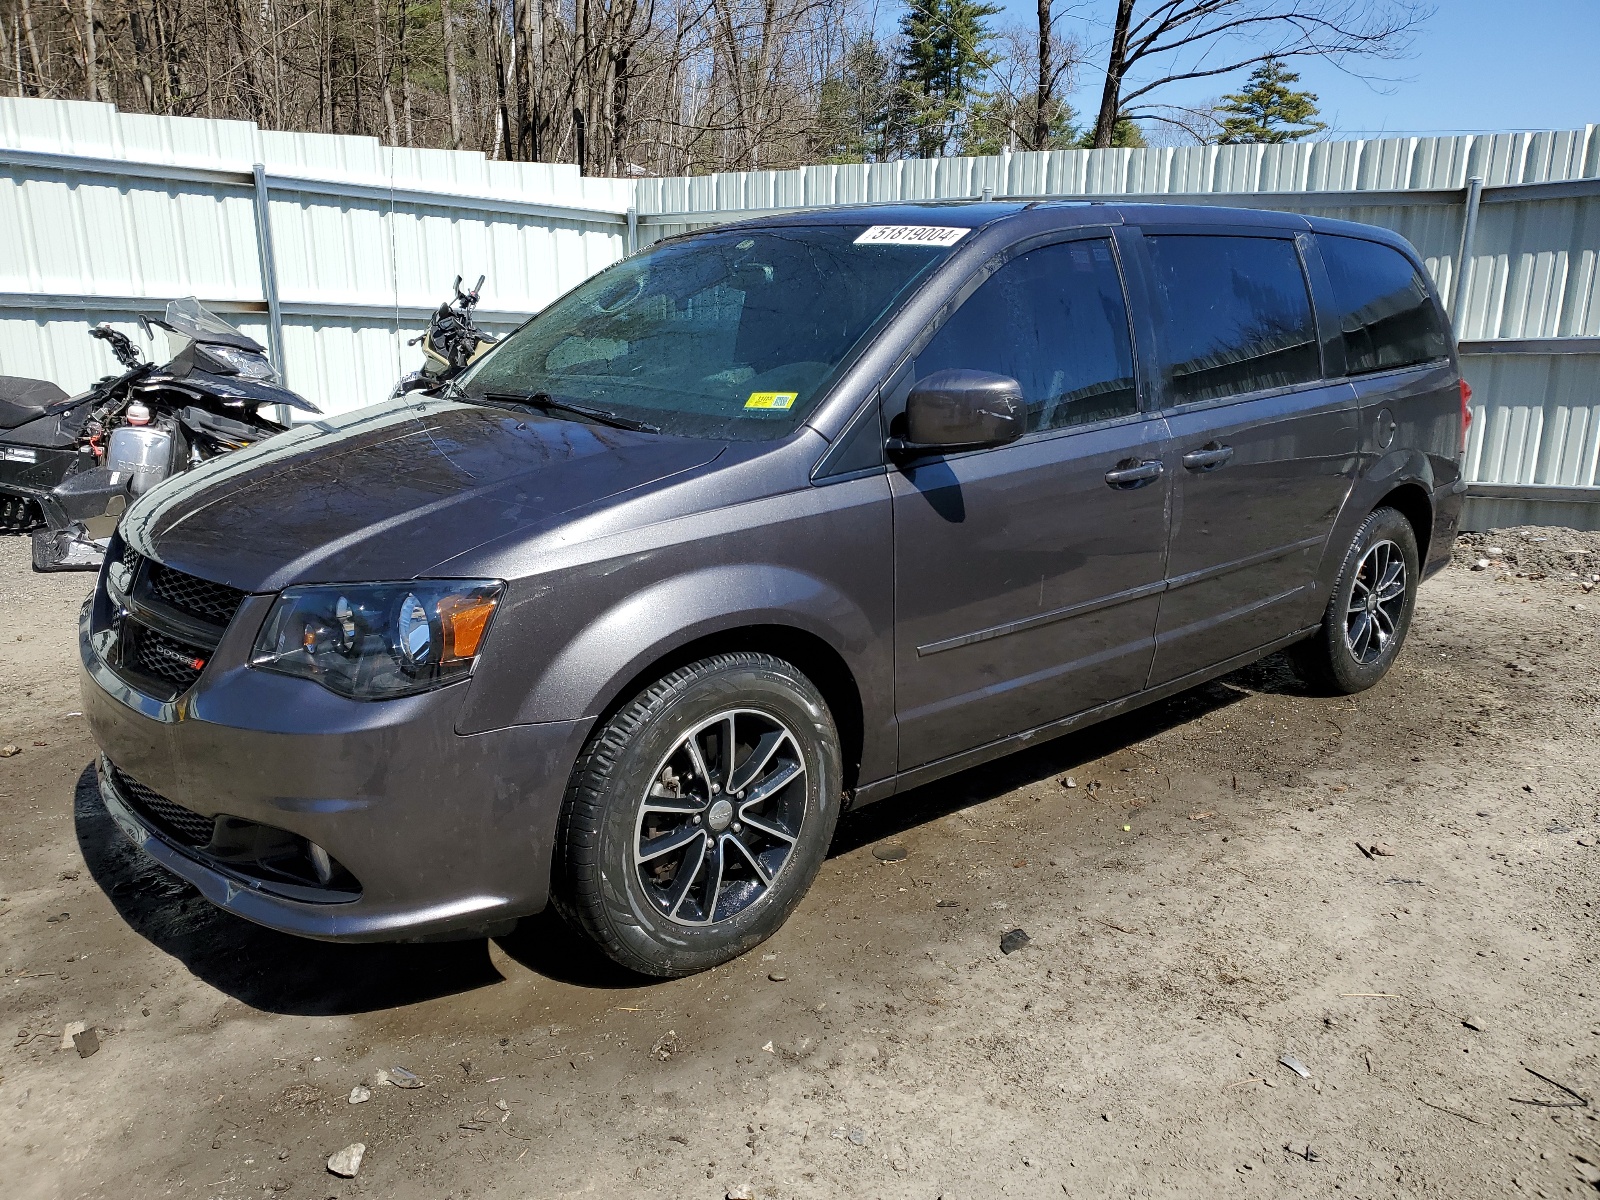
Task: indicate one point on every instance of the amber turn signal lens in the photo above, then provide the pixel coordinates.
(465, 618)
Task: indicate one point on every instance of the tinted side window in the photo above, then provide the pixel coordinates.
(1237, 315)
(1385, 311)
(1055, 321)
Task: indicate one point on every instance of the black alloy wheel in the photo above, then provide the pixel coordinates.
(698, 815)
(1377, 602)
(1369, 611)
(721, 817)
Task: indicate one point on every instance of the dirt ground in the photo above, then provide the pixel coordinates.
(1199, 904)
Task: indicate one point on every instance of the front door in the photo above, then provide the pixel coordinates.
(1026, 582)
(1263, 449)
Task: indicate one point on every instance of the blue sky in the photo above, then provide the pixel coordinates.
(1475, 65)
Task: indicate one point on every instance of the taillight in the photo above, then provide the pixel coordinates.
(1466, 413)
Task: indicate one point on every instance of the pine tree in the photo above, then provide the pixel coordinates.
(943, 57)
(997, 122)
(855, 108)
(1125, 135)
(1269, 110)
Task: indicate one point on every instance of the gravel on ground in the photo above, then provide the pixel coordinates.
(1276, 944)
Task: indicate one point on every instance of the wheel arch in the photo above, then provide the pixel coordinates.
(765, 608)
(1412, 502)
(1402, 479)
(810, 654)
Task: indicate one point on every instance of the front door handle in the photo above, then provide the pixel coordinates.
(1208, 458)
(1130, 473)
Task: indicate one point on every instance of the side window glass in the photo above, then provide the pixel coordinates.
(1385, 311)
(1054, 320)
(1237, 315)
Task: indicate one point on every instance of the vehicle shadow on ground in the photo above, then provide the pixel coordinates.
(278, 973)
(895, 815)
(270, 971)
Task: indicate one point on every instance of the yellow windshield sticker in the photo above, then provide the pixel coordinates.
(772, 399)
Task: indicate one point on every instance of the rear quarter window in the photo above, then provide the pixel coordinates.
(1236, 315)
(1386, 313)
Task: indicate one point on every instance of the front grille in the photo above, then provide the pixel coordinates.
(213, 602)
(177, 822)
(165, 624)
(156, 656)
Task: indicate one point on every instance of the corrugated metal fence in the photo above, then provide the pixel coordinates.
(334, 249)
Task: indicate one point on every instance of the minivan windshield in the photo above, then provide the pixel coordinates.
(728, 334)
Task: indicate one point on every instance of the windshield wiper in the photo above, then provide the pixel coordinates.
(545, 402)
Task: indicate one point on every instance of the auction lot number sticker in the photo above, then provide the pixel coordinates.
(911, 235)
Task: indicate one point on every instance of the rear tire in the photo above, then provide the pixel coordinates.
(675, 855)
(1369, 612)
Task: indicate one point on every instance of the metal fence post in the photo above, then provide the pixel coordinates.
(633, 231)
(269, 274)
(1469, 233)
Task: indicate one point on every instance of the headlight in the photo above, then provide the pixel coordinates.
(373, 641)
(230, 360)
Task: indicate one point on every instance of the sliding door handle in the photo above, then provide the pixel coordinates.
(1208, 457)
(1131, 473)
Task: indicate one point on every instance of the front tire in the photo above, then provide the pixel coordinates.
(1370, 610)
(699, 814)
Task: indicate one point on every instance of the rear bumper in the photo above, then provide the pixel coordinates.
(445, 834)
(1448, 502)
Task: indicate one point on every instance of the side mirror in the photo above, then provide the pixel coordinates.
(961, 410)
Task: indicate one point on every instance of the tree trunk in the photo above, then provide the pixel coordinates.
(1041, 104)
(405, 98)
(171, 83)
(450, 83)
(383, 66)
(274, 32)
(39, 81)
(11, 43)
(358, 114)
(256, 96)
(91, 63)
(325, 100)
(143, 53)
(502, 132)
(1105, 126)
(522, 82)
(405, 73)
(545, 118)
(529, 78)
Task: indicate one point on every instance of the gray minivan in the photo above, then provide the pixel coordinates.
(763, 523)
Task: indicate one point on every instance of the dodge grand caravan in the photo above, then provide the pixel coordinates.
(762, 523)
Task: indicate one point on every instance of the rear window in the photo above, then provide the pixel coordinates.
(1385, 311)
(1237, 315)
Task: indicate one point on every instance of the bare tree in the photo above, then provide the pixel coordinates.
(615, 86)
(1196, 39)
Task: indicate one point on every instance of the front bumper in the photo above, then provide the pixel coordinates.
(444, 833)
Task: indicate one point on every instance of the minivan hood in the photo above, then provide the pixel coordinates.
(389, 491)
